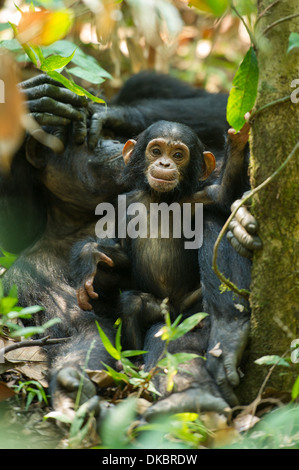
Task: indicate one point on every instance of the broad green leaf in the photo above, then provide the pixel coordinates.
(55, 62)
(89, 75)
(293, 41)
(216, 7)
(107, 344)
(73, 86)
(82, 60)
(243, 93)
(271, 360)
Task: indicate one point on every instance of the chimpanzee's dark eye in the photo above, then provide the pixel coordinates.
(156, 151)
(178, 156)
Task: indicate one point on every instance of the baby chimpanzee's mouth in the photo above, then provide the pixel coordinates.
(164, 175)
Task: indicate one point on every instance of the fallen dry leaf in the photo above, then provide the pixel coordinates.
(5, 391)
(216, 351)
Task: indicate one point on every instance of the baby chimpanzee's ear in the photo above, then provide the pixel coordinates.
(210, 164)
(128, 150)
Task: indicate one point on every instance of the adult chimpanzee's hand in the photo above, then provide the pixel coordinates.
(65, 390)
(227, 342)
(53, 105)
(242, 231)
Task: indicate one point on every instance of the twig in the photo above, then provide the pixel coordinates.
(281, 20)
(266, 10)
(268, 105)
(231, 286)
(32, 342)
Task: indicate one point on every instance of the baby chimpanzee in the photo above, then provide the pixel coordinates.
(167, 168)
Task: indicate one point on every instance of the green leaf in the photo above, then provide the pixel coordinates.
(134, 352)
(33, 309)
(216, 7)
(7, 304)
(117, 338)
(116, 423)
(107, 344)
(295, 389)
(55, 62)
(188, 325)
(271, 360)
(116, 376)
(293, 41)
(176, 359)
(89, 75)
(243, 93)
(73, 86)
(13, 291)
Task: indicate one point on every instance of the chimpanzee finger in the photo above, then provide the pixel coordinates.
(80, 129)
(49, 105)
(102, 258)
(89, 288)
(230, 366)
(245, 218)
(240, 249)
(59, 94)
(69, 379)
(223, 383)
(90, 406)
(82, 299)
(95, 129)
(47, 119)
(251, 242)
(38, 80)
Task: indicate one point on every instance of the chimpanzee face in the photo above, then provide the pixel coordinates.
(170, 157)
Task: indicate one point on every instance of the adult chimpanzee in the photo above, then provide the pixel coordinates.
(64, 190)
(68, 186)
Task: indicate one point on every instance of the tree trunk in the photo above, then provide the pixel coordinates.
(274, 134)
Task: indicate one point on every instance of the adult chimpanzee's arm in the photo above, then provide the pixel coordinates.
(229, 314)
(95, 265)
(204, 114)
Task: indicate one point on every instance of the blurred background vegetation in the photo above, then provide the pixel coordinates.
(133, 35)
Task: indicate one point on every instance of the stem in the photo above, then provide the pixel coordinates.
(268, 105)
(281, 20)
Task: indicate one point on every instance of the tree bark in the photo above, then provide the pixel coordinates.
(274, 134)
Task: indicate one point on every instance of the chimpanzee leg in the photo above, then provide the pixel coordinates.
(194, 389)
(228, 312)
